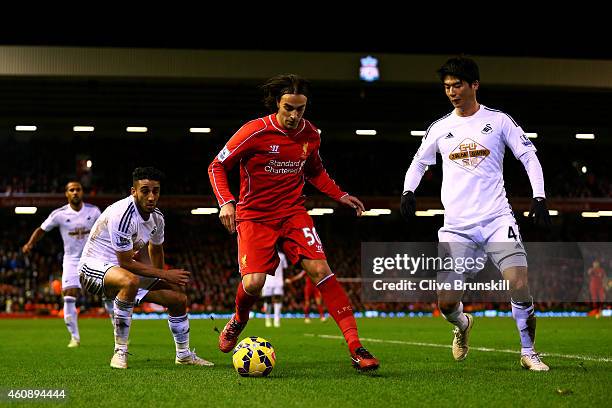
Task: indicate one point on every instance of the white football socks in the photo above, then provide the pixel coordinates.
(457, 317)
(277, 312)
(71, 317)
(179, 326)
(122, 321)
(524, 316)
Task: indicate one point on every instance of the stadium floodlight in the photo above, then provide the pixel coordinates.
(550, 212)
(200, 130)
(136, 129)
(25, 210)
(366, 132)
(429, 213)
(418, 133)
(423, 214)
(590, 214)
(531, 135)
(25, 128)
(204, 211)
(585, 136)
(321, 211)
(375, 212)
(83, 128)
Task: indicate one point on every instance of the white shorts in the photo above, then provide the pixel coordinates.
(498, 239)
(268, 291)
(70, 274)
(91, 275)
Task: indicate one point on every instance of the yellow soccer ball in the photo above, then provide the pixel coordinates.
(254, 357)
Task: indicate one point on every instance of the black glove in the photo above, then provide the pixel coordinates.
(408, 205)
(540, 211)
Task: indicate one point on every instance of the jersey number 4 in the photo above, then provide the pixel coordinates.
(512, 234)
(311, 235)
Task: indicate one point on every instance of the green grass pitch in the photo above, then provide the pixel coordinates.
(313, 366)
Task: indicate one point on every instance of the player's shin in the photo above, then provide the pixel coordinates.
(277, 312)
(244, 303)
(267, 307)
(179, 326)
(71, 316)
(524, 316)
(455, 316)
(122, 321)
(340, 308)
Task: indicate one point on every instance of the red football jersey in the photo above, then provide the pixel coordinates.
(597, 275)
(274, 163)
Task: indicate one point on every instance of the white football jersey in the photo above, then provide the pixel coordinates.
(121, 228)
(472, 150)
(74, 227)
(277, 280)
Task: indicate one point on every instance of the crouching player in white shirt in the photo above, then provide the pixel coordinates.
(108, 266)
(478, 220)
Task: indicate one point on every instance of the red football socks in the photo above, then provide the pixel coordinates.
(244, 303)
(341, 310)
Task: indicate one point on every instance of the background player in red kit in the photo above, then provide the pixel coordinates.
(277, 153)
(310, 292)
(596, 285)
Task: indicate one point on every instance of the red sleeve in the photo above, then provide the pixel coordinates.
(236, 148)
(316, 175)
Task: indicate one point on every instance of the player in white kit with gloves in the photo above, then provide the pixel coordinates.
(478, 220)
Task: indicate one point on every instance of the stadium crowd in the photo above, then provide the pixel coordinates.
(199, 244)
(580, 173)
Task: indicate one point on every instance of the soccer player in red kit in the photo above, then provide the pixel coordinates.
(277, 154)
(596, 285)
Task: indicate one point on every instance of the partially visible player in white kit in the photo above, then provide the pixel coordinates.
(109, 266)
(478, 220)
(273, 291)
(74, 220)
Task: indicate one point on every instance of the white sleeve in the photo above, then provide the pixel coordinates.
(284, 262)
(121, 239)
(49, 223)
(515, 138)
(534, 171)
(158, 237)
(97, 214)
(425, 156)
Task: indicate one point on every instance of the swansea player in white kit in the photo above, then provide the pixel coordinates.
(74, 221)
(273, 291)
(478, 220)
(109, 266)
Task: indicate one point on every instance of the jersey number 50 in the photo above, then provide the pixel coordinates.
(311, 236)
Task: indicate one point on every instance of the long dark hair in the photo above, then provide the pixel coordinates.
(277, 86)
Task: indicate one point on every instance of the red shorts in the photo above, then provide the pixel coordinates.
(311, 290)
(257, 240)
